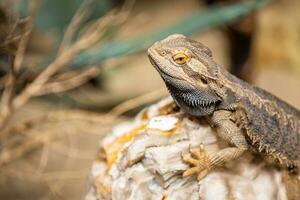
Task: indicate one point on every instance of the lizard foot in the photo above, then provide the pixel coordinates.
(199, 160)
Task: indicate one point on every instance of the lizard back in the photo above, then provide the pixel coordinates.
(272, 125)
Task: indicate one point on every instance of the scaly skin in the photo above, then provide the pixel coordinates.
(244, 115)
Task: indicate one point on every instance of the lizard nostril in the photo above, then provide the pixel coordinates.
(163, 53)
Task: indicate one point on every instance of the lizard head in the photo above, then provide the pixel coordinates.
(189, 72)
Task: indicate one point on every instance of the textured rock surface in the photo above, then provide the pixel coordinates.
(142, 160)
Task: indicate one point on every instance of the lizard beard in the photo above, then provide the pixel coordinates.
(197, 102)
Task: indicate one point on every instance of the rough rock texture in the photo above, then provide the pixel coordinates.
(142, 160)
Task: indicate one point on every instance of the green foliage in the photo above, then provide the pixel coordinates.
(55, 15)
(197, 22)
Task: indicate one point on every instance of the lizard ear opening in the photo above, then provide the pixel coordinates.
(203, 81)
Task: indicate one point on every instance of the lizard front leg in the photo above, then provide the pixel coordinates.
(228, 130)
(202, 162)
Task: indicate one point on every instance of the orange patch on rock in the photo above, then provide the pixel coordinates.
(167, 133)
(112, 149)
(167, 109)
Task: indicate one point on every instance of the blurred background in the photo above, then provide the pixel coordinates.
(70, 70)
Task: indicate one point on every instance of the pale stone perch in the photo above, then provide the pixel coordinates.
(143, 160)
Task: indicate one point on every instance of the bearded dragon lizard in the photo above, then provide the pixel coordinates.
(245, 116)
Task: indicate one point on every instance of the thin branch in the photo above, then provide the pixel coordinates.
(49, 176)
(63, 150)
(15, 64)
(137, 101)
(8, 155)
(42, 83)
(33, 9)
(73, 26)
(71, 73)
(86, 41)
(64, 85)
(11, 37)
(63, 175)
(43, 160)
(8, 92)
(57, 116)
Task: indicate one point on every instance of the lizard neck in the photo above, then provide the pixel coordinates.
(193, 101)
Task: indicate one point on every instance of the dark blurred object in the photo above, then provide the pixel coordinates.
(240, 36)
(5, 49)
(11, 30)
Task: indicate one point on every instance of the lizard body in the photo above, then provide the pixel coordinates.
(244, 115)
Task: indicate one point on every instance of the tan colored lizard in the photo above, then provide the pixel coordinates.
(246, 116)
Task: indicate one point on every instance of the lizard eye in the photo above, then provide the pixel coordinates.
(180, 58)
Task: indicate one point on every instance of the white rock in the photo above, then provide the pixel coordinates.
(149, 165)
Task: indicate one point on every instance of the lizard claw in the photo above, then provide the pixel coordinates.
(199, 160)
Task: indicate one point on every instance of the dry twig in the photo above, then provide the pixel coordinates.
(57, 116)
(10, 154)
(43, 83)
(86, 41)
(63, 85)
(15, 63)
(53, 79)
(136, 102)
(74, 25)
